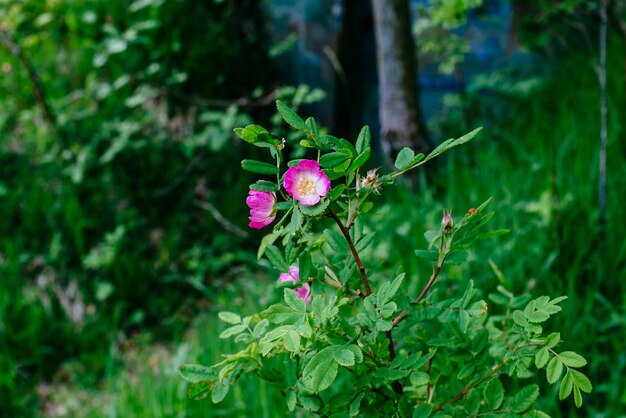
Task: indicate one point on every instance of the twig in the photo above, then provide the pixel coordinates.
(14, 48)
(229, 226)
(355, 254)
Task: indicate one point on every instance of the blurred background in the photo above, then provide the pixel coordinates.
(123, 227)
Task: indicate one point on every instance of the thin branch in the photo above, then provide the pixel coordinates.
(228, 225)
(355, 254)
(14, 48)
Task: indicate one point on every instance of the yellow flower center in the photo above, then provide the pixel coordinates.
(306, 187)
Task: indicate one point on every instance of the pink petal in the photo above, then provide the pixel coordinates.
(295, 272)
(304, 292)
(286, 277)
(291, 180)
(309, 165)
(260, 224)
(322, 185)
(309, 200)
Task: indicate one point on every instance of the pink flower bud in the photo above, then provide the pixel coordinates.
(261, 208)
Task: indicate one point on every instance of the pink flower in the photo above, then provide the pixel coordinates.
(261, 208)
(307, 182)
(293, 276)
(446, 219)
(304, 292)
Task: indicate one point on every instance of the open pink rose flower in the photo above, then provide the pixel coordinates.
(261, 208)
(307, 182)
(304, 291)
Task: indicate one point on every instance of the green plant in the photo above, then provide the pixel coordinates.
(354, 341)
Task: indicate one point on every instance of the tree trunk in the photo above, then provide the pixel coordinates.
(401, 122)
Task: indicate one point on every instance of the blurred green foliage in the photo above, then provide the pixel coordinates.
(115, 208)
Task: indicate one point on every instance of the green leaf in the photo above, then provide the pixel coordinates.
(542, 357)
(419, 378)
(578, 397)
(293, 301)
(268, 240)
(321, 370)
(335, 192)
(291, 340)
(361, 159)
(525, 398)
(582, 381)
(251, 133)
(494, 394)
(404, 159)
(567, 385)
(291, 117)
(336, 241)
(291, 400)
(571, 359)
(358, 354)
(363, 140)
(390, 374)
(553, 339)
(422, 411)
(220, 391)
(451, 143)
(310, 403)
(229, 332)
(195, 373)
(315, 210)
(355, 406)
(388, 290)
(334, 159)
(229, 317)
(200, 390)
(275, 256)
(554, 370)
(472, 402)
(344, 356)
(264, 186)
(535, 413)
(259, 167)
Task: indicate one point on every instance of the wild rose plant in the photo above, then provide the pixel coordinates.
(352, 341)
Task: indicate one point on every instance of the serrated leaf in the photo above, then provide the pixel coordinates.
(554, 370)
(542, 357)
(291, 340)
(229, 332)
(315, 210)
(571, 359)
(251, 133)
(493, 394)
(535, 413)
(344, 357)
(195, 373)
(290, 116)
(310, 403)
(388, 290)
(567, 385)
(321, 370)
(358, 354)
(581, 381)
(525, 398)
(336, 241)
(293, 301)
(269, 239)
(229, 317)
(519, 318)
(259, 167)
(200, 390)
(275, 257)
(390, 374)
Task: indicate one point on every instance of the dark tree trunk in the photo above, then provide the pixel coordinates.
(401, 122)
